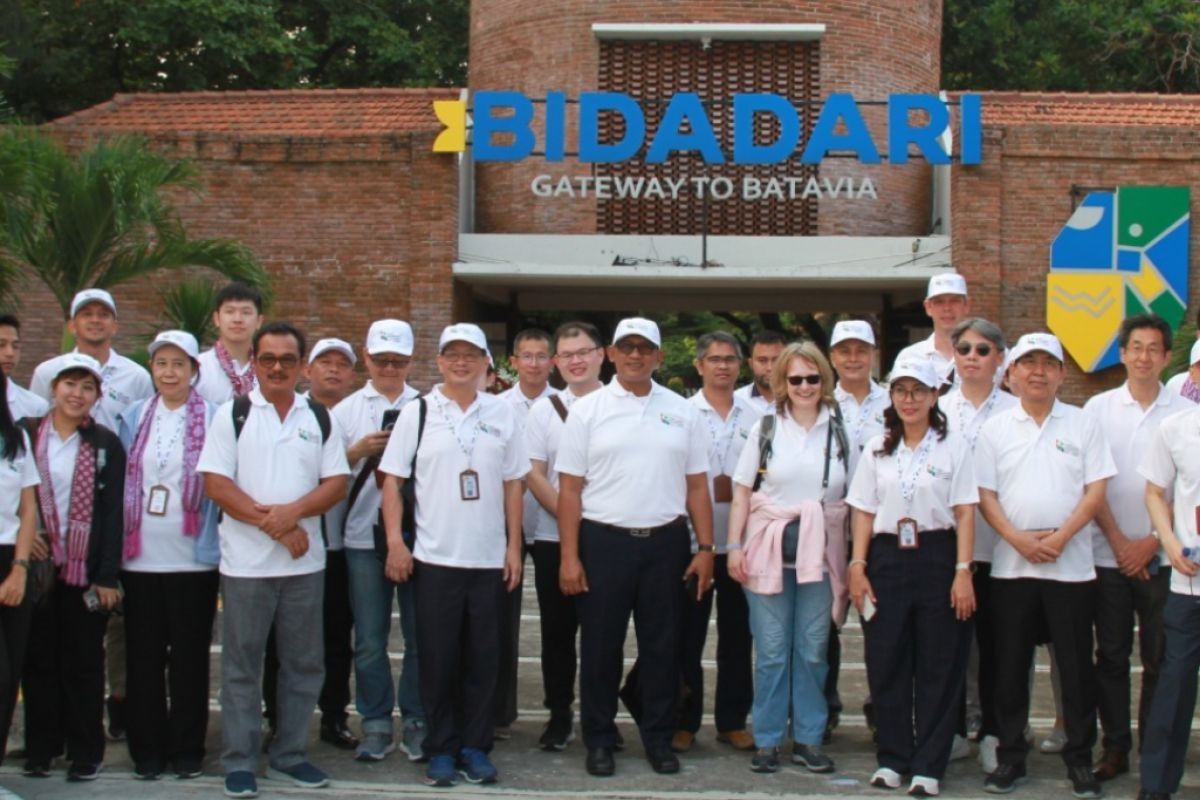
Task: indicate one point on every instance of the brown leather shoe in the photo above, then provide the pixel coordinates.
(682, 741)
(738, 740)
(1112, 764)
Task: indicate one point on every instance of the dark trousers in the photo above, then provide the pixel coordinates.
(735, 671)
(833, 655)
(1169, 723)
(169, 624)
(1118, 599)
(916, 653)
(630, 575)
(559, 623)
(14, 633)
(985, 640)
(510, 639)
(1036, 610)
(459, 613)
(64, 679)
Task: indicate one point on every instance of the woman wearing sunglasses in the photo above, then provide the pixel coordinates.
(778, 550)
(914, 499)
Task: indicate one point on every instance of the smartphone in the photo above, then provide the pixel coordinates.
(389, 419)
(868, 609)
(691, 586)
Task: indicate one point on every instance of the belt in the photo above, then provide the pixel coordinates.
(639, 533)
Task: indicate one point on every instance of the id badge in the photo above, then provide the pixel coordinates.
(157, 506)
(906, 531)
(468, 484)
(722, 489)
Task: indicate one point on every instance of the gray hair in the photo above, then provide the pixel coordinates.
(717, 337)
(988, 330)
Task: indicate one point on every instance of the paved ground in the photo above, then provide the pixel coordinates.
(711, 770)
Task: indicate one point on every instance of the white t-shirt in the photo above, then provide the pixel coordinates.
(1172, 461)
(24, 403)
(486, 438)
(966, 420)
(543, 432)
(1039, 476)
(1128, 430)
(941, 476)
(863, 421)
(634, 454)
(273, 462)
(522, 405)
(797, 465)
(359, 415)
(726, 440)
(750, 393)
(16, 474)
(213, 384)
(124, 383)
(164, 547)
(925, 349)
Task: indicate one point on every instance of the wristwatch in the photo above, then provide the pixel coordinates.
(967, 566)
(731, 546)
(21, 562)
(706, 548)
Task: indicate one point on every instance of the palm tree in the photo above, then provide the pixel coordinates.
(100, 217)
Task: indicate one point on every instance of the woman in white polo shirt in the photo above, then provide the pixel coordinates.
(170, 565)
(914, 499)
(18, 522)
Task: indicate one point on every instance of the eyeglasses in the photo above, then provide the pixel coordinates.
(982, 349)
(391, 363)
(918, 393)
(799, 380)
(533, 358)
(626, 348)
(1137, 351)
(461, 355)
(722, 361)
(270, 361)
(573, 354)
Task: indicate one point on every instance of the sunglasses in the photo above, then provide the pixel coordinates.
(982, 349)
(643, 348)
(800, 380)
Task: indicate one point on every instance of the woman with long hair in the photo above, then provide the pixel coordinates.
(914, 498)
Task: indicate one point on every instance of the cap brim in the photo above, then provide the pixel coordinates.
(387, 348)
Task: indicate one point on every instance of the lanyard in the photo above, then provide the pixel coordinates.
(970, 430)
(907, 477)
(864, 411)
(730, 428)
(162, 454)
(468, 447)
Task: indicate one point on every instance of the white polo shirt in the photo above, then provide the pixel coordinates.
(1172, 462)
(634, 454)
(451, 531)
(522, 405)
(16, 474)
(863, 421)
(213, 384)
(942, 478)
(273, 462)
(61, 455)
(797, 465)
(359, 415)
(750, 392)
(124, 383)
(24, 403)
(925, 350)
(543, 433)
(966, 420)
(1039, 475)
(726, 440)
(1128, 430)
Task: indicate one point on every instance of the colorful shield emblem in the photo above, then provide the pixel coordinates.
(1121, 253)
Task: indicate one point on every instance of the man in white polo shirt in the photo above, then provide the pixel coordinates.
(1042, 467)
(367, 418)
(633, 461)
(21, 402)
(1130, 578)
(861, 399)
(227, 368)
(947, 304)
(469, 459)
(273, 480)
(765, 348)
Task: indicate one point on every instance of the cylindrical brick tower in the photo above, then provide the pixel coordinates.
(870, 50)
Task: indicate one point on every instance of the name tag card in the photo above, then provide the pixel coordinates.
(157, 505)
(722, 489)
(468, 484)
(906, 531)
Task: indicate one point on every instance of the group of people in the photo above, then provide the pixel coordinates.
(966, 512)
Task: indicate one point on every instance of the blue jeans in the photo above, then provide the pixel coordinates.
(371, 601)
(791, 633)
(1169, 724)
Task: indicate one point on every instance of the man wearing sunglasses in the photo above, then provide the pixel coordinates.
(632, 463)
(946, 303)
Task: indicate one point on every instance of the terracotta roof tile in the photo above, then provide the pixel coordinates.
(300, 113)
(1113, 110)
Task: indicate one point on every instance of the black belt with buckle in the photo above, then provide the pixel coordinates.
(639, 533)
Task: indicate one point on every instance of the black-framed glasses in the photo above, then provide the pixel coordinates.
(568, 355)
(722, 361)
(626, 348)
(918, 393)
(270, 360)
(798, 380)
(982, 349)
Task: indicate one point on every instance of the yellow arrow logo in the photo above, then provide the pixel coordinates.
(453, 116)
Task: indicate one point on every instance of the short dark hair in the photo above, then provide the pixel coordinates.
(280, 328)
(717, 337)
(577, 328)
(767, 337)
(239, 291)
(530, 335)
(10, 321)
(1139, 321)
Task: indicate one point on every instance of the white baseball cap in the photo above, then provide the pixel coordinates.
(463, 332)
(181, 339)
(93, 296)
(638, 326)
(390, 336)
(919, 369)
(852, 329)
(1032, 342)
(1195, 352)
(325, 345)
(947, 283)
(69, 361)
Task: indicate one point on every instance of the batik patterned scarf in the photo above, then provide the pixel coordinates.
(242, 384)
(70, 557)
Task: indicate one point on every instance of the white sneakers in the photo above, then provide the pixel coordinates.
(885, 778)
(960, 749)
(1055, 742)
(987, 754)
(923, 787)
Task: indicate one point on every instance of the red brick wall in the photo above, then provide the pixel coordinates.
(870, 49)
(349, 230)
(1009, 209)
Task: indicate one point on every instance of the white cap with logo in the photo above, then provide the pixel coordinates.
(338, 345)
(919, 369)
(390, 336)
(463, 332)
(852, 329)
(70, 361)
(1033, 342)
(88, 296)
(181, 339)
(947, 283)
(638, 326)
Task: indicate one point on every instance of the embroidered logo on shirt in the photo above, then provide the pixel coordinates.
(307, 435)
(744, 433)
(943, 474)
(490, 429)
(1064, 446)
(670, 419)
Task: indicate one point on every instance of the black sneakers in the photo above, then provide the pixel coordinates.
(1006, 778)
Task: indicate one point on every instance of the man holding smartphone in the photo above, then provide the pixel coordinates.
(366, 418)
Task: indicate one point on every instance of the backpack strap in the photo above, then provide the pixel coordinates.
(322, 414)
(241, 410)
(557, 402)
(766, 434)
(837, 430)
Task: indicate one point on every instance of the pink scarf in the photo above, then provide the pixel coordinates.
(193, 485)
(1190, 390)
(242, 384)
(71, 559)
